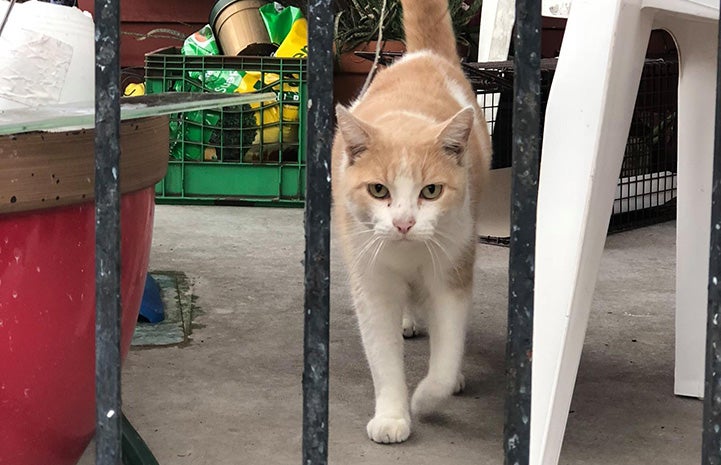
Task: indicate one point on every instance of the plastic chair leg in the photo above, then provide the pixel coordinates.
(587, 121)
(697, 43)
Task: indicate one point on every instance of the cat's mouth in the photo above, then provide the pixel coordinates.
(406, 238)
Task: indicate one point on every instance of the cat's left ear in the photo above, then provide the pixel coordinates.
(453, 138)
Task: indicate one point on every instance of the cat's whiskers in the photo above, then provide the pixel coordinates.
(451, 261)
(381, 244)
(369, 254)
(433, 259)
(364, 224)
(378, 240)
(360, 227)
(359, 232)
(361, 253)
(444, 235)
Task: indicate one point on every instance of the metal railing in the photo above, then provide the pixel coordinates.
(711, 447)
(317, 257)
(317, 233)
(524, 191)
(108, 414)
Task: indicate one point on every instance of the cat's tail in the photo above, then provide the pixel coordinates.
(427, 25)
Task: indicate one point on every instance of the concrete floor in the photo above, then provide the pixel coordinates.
(232, 395)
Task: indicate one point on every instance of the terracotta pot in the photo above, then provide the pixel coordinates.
(47, 282)
(351, 70)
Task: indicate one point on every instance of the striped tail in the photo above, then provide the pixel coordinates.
(427, 24)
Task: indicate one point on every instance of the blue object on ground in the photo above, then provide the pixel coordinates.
(151, 307)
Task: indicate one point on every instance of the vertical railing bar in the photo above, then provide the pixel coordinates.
(107, 233)
(524, 191)
(317, 232)
(711, 445)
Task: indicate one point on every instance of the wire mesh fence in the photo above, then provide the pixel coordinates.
(646, 190)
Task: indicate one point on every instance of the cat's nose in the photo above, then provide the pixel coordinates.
(404, 225)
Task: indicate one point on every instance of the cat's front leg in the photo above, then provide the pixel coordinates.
(447, 330)
(379, 303)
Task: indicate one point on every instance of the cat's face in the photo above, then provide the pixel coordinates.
(402, 186)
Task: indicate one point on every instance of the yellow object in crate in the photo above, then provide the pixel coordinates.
(134, 90)
(268, 116)
(295, 44)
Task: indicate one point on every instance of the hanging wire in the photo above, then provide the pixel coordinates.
(7, 15)
(379, 44)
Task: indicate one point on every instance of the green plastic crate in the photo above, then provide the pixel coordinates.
(254, 154)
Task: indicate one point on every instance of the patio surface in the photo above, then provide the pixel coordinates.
(232, 393)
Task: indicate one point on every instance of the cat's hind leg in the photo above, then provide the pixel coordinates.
(447, 330)
(460, 384)
(415, 313)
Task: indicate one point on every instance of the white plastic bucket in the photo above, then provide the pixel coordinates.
(47, 55)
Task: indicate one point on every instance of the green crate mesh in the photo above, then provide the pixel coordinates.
(237, 154)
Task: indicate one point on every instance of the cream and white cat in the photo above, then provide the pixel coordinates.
(409, 161)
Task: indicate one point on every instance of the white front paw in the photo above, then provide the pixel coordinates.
(389, 430)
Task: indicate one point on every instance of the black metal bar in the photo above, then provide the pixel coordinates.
(711, 448)
(317, 233)
(524, 192)
(107, 233)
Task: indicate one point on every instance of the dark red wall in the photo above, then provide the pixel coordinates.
(142, 16)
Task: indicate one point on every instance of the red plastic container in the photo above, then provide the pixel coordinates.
(47, 324)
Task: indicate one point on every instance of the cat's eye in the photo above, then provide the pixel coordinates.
(431, 191)
(379, 191)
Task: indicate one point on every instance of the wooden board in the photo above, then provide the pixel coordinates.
(43, 170)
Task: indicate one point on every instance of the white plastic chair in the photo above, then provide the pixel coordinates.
(587, 123)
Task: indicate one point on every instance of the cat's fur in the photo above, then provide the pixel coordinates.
(408, 257)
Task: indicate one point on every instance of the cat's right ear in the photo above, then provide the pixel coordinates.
(356, 134)
(453, 138)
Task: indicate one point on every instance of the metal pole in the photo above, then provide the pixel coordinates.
(107, 233)
(524, 192)
(317, 233)
(711, 448)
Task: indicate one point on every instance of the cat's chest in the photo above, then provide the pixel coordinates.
(409, 259)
